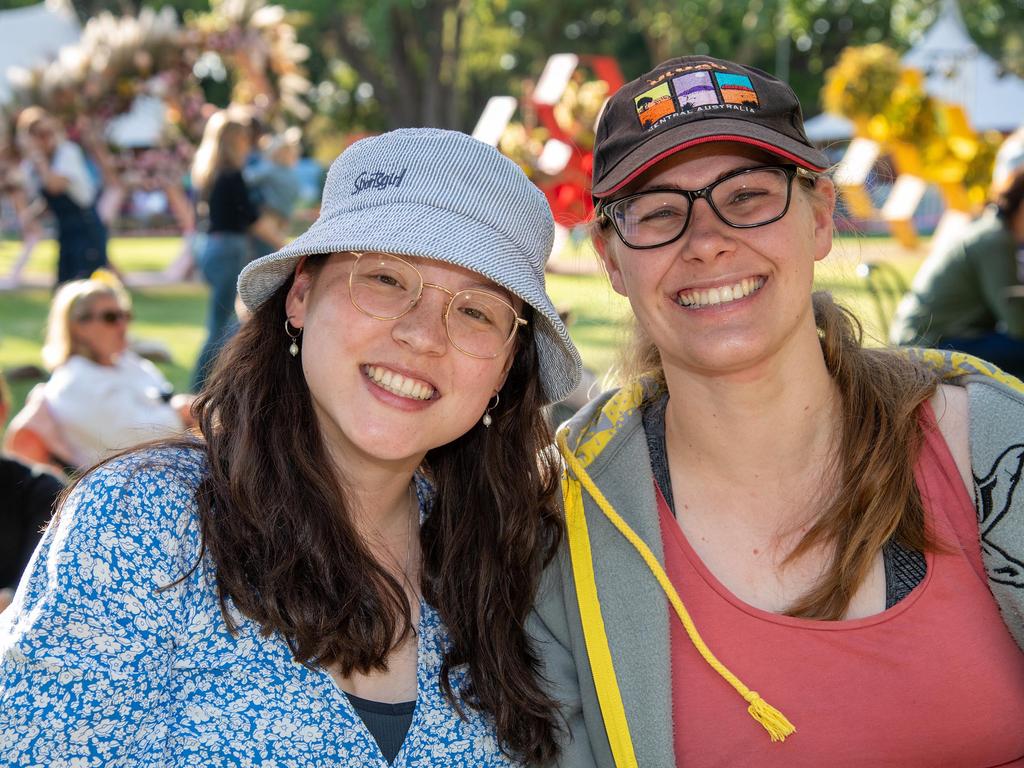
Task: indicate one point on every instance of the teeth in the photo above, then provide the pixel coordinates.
(723, 294)
(397, 384)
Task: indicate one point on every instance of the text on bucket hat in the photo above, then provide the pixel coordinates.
(692, 100)
(438, 195)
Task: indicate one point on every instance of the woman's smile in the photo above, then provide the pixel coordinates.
(719, 295)
(401, 385)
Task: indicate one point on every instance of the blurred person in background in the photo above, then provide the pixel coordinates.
(233, 217)
(967, 296)
(13, 187)
(27, 495)
(57, 171)
(101, 397)
(274, 182)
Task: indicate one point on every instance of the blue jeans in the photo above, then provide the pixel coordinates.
(221, 259)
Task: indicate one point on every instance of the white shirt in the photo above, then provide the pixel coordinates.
(69, 162)
(102, 409)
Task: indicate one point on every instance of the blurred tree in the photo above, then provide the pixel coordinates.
(385, 63)
(416, 59)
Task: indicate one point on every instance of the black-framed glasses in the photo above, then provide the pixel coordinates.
(479, 323)
(751, 197)
(110, 317)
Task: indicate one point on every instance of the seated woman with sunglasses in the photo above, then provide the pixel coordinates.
(101, 397)
(340, 572)
(769, 524)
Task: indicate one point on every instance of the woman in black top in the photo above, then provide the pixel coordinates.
(217, 175)
(27, 495)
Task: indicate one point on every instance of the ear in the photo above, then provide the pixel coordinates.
(823, 205)
(604, 250)
(296, 303)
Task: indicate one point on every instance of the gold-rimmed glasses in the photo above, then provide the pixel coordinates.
(479, 323)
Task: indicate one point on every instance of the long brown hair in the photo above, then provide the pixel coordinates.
(276, 523)
(877, 499)
(217, 151)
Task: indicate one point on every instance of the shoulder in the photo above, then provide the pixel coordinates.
(987, 237)
(76, 370)
(607, 422)
(950, 406)
(226, 181)
(146, 492)
(69, 152)
(138, 365)
(991, 403)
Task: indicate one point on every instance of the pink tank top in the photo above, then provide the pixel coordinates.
(936, 680)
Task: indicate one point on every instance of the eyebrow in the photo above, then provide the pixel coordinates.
(722, 175)
(482, 284)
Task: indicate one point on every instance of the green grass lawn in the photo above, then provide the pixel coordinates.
(174, 315)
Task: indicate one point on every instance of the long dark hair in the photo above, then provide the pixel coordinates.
(275, 521)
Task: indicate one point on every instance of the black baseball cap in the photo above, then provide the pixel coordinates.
(692, 100)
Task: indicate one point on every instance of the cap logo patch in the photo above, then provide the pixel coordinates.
(736, 89)
(654, 104)
(695, 90)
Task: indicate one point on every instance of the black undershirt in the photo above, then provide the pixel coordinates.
(904, 568)
(387, 723)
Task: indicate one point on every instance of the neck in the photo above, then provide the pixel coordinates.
(378, 492)
(768, 421)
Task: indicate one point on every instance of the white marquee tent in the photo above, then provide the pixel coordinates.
(35, 34)
(32, 35)
(956, 71)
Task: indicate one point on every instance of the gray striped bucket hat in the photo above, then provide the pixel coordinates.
(438, 195)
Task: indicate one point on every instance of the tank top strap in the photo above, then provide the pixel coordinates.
(949, 508)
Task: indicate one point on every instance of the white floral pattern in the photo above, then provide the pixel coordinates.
(101, 665)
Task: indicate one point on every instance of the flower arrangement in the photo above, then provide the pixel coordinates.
(926, 137)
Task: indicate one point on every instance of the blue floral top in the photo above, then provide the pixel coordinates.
(100, 667)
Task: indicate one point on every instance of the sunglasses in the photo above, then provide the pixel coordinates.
(110, 317)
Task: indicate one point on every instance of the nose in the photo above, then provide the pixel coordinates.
(422, 328)
(706, 237)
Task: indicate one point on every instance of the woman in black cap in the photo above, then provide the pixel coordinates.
(768, 520)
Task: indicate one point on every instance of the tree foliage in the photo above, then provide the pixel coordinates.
(385, 63)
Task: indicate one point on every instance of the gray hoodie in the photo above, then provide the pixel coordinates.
(609, 444)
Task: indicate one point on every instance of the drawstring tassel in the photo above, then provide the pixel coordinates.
(774, 722)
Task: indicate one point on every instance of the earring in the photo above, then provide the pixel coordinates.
(487, 420)
(293, 350)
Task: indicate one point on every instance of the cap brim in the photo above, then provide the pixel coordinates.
(425, 231)
(667, 143)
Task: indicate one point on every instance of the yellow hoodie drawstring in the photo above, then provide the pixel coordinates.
(771, 719)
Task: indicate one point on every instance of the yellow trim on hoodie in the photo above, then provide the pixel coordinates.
(574, 480)
(591, 441)
(607, 686)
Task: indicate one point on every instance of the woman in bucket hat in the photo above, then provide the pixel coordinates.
(772, 532)
(340, 572)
